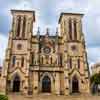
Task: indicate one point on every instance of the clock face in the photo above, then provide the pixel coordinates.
(47, 50)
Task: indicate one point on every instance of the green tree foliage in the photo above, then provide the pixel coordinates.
(3, 97)
(95, 78)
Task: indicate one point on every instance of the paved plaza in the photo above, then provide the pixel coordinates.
(53, 97)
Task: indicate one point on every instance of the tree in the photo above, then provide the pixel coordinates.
(95, 82)
(95, 78)
(3, 97)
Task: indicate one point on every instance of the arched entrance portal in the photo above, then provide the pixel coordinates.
(46, 84)
(75, 85)
(16, 84)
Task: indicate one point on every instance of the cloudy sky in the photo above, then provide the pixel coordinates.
(47, 15)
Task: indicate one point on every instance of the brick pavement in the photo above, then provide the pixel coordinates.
(53, 97)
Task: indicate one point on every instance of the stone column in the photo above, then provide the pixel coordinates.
(57, 84)
(66, 83)
(35, 83)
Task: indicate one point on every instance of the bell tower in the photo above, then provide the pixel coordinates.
(22, 24)
(17, 58)
(75, 56)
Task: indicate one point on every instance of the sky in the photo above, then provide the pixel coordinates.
(47, 15)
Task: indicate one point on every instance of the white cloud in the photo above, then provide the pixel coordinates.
(63, 5)
(93, 54)
(94, 2)
(72, 6)
(98, 21)
(3, 46)
(23, 5)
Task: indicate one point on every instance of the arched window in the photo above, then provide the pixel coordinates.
(32, 58)
(75, 84)
(24, 27)
(22, 61)
(16, 84)
(18, 26)
(41, 60)
(75, 30)
(13, 60)
(60, 59)
(46, 84)
(70, 63)
(70, 29)
(78, 61)
(51, 60)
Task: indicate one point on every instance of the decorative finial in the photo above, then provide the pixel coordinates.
(38, 31)
(47, 31)
(57, 31)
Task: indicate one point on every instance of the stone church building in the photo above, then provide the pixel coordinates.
(38, 63)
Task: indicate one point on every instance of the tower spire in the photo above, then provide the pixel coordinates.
(47, 31)
(57, 31)
(38, 32)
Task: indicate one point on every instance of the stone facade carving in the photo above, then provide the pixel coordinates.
(56, 64)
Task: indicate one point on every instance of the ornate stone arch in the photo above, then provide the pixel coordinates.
(15, 76)
(17, 72)
(51, 78)
(75, 76)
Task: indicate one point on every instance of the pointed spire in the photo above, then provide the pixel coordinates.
(57, 35)
(57, 31)
(38, 32)
(47, 31)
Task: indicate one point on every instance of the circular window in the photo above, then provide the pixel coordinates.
(74, 48)
(19, 46)
(47, 50)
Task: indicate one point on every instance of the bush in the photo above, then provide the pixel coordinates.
(3, 97)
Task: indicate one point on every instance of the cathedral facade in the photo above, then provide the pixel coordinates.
(43, 63)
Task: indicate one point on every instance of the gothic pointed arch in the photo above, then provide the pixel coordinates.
(13, 61)
(24, 27)
(22, 61)
(16, 83)
(18, 26)
(70, 28)
(75, 84)
(46, 82)
(75, 29)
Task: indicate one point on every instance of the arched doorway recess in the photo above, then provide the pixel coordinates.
(75, 85)
(16, 84)
(46, 84)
